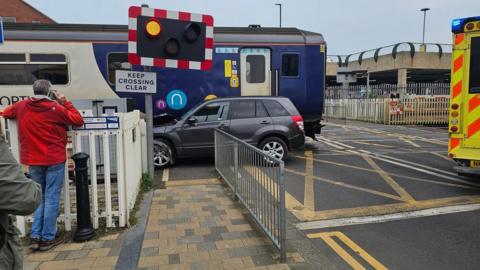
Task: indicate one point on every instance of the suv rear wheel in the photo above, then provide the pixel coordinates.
(274, 147)
(163, 153)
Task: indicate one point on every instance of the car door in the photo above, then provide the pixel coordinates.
(198, 131)
(249, 120)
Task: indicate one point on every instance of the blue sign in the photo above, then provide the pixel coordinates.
(1, 31)
(99, 123)
(176, 99)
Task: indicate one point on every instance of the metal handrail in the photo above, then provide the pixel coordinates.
(257, 181)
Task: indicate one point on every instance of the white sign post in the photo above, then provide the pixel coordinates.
(135, 82)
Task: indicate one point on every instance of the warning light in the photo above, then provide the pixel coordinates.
(153, 27)
(455, 106)
(469, 26)
(454, 129)
(192, 32)
(172, 47)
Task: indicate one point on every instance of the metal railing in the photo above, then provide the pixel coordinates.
(257, 180)
(386, 90)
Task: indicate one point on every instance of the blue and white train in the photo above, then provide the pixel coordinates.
(81, 61)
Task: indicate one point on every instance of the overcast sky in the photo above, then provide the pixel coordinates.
(348, 25)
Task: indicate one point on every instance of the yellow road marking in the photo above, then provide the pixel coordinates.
(176, 183)
(292, 204)
(327, 237)
(468, 186)
(343, 184)
(373, 144)
(392, 183)
(395, 207)
(309, 194)
(444, 156)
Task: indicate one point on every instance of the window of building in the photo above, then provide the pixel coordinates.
(255, 70)
(243, 109)
(474, 82)
(117, 61)
(16, 70)
(275, 109)
(290, 64)
(9, 19)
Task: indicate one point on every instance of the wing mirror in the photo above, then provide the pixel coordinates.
(192, 121)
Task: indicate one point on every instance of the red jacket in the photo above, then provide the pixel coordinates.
(42, 129)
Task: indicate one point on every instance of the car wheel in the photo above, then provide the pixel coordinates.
(274, 147)
(163, 154)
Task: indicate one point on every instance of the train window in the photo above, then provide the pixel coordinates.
(13, 57)
(255, 69)
(474, 83)
(58, 58)
(290, 65)
(117, 61)
(26, 74)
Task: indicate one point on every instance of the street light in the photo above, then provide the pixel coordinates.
(424, 18)
(280, 6)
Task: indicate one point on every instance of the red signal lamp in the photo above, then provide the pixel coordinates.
(153, 28)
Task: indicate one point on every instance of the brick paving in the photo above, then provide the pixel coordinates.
(101, 254)
(194, 227)
(200, 227)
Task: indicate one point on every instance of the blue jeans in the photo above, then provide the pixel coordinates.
(51, 178)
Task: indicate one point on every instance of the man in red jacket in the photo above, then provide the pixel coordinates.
(42, 129)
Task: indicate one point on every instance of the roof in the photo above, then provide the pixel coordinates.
(95, 32)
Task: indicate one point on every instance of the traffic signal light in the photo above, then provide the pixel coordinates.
(169, 39)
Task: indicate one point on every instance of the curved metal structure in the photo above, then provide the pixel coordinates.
(412, 49)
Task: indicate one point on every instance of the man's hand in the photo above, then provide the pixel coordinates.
(60, 97)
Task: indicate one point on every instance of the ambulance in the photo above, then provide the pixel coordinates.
(464, 119)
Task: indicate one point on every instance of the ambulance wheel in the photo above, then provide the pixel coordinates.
(163, 153)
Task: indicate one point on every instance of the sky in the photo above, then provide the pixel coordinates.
(348, 26)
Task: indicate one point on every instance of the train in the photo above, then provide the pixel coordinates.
(81, 60)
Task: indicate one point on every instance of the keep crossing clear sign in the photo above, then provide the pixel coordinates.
(136, 82)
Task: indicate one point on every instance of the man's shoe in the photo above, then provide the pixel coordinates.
(49, 244)
(34, 243)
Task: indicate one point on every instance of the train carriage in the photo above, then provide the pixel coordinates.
(81, 61)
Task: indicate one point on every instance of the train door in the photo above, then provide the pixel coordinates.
(255, 72)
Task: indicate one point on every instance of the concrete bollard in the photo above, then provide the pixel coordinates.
(85, 229)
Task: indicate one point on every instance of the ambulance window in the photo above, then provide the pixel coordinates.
(290, 65)
(117, 61)
(474, 83)
(255, 69)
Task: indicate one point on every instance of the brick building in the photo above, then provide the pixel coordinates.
(21, 12)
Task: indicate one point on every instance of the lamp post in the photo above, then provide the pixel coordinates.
(424, 18)
(280, 6)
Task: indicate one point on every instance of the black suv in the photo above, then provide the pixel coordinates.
(273, 124)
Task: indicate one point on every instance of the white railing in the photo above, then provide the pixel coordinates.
(117, 154)
(413, 110)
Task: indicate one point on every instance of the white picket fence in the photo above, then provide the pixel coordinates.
(123, 157)
(413, 110)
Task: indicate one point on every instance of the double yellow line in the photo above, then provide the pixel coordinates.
(329, 239)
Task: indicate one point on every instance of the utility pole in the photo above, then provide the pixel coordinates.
(424, 10)
(280, 10)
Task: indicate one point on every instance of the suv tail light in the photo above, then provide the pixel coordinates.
(298, 120)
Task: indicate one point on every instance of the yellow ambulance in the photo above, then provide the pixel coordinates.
(464, 119)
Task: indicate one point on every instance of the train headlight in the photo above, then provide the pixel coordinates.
(454, 121)
(153, 28)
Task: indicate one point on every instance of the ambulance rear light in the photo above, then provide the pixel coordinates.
(454, 129)
(451, 155)
(469, 26)
(454, 114)
(454, 121)
(478, 25)
(298, 120)
(455, 106)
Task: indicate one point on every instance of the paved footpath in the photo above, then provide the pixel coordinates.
(189, 227)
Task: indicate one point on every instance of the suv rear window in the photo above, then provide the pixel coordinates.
(243, 109)
(274, 108)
